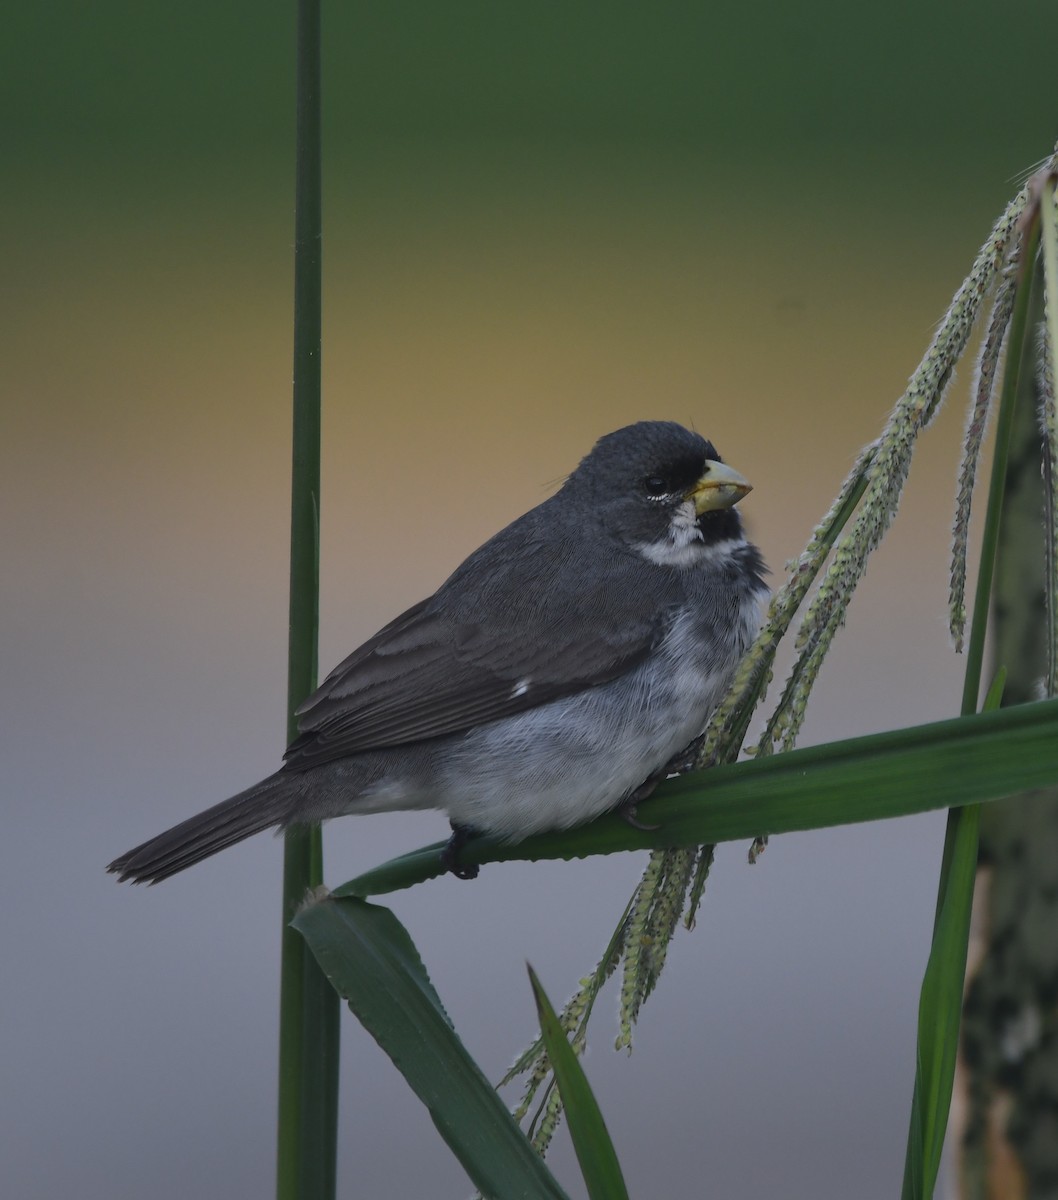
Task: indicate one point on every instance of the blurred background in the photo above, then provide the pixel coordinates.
(541, 223)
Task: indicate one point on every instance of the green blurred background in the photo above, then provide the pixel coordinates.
(541, 223)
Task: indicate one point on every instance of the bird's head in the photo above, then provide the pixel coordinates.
(661, 489)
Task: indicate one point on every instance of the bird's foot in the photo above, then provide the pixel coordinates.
(683, 762)
(461, 834)
(679, 764)
(627, 808)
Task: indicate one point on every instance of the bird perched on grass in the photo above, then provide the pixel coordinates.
(550, 679)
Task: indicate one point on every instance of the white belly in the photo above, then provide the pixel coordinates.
(566, 762)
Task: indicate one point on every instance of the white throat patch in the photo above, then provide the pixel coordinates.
(682, 545)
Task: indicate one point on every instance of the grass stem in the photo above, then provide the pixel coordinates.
(308, 1022)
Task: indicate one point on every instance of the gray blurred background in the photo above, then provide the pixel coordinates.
(540, 224)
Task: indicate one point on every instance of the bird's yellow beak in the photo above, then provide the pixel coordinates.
(720, 486)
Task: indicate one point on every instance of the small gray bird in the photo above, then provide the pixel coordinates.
(550, 679)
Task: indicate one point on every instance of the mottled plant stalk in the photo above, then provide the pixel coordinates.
(1049, 421)
(1049, 431)
(1014, 906)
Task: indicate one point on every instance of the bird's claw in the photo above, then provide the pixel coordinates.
(461, 834)
(679, 764)
(685, 761)
(627, 809)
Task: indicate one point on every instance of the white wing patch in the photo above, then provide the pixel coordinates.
(520, 688)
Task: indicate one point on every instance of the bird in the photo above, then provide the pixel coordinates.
(554, 676)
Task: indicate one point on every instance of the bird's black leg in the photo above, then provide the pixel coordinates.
(461, 834)
(627, 807)
(683, 762)
(679, 764)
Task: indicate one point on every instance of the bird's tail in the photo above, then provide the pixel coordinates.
(270, 802)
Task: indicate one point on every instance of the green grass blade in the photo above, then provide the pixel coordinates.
(587, 1129)
(373, 964)
(939, 1011)
(307, 1129)
(940, 1001)
(948, 764)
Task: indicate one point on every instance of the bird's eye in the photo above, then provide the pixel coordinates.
(656, 486)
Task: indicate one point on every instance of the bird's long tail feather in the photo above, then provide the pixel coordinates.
(267, 803)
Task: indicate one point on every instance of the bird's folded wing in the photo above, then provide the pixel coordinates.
(427, 675)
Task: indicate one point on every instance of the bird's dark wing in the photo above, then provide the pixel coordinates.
(509, 631)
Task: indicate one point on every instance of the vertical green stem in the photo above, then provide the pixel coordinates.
(308, 1033)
